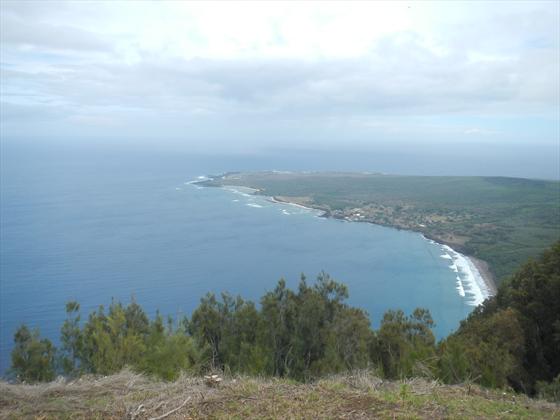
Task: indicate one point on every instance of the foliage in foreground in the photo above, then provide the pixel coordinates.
(514, 338)
(304, 334)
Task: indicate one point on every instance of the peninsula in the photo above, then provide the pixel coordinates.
(498, 222)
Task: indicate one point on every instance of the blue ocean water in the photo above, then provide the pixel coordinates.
(92, 224)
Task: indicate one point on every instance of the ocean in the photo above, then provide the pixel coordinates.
(93, 224)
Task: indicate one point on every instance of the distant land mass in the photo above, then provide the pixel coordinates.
(499, 221)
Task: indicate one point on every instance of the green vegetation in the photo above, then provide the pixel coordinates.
(513, 340)
(33, 358)
(105, 344)
(503, 221)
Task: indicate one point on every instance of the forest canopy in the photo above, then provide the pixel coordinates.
(513, 339)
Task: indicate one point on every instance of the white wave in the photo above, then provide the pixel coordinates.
(239, 190)
(469, 280)
(245, 191)
(299, 206)
(460, 287)
(254, 205)
(429, 240)
(446, 256)
(235, 201)
(178, 189)
(193, 183)
(287, 213)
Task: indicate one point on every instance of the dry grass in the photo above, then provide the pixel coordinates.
(126, 394)
(361, 395)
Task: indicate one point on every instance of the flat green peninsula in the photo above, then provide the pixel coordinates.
(498, 220)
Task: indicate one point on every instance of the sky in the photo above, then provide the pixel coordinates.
(242, 76)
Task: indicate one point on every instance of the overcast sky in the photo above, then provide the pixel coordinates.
(262, 75)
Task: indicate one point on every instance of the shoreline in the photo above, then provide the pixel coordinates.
(241, 189)
(480, 267)
(482, 271)
(485, 274)
(276, 200)
(472, 280)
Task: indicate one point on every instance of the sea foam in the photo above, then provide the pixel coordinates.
(460, 287)
(470, 283)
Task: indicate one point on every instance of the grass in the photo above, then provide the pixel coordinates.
(502, 221)
(358, 395)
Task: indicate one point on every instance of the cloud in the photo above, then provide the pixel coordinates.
(401, 79)
(288, 68)
(18, 30)
(478, 131)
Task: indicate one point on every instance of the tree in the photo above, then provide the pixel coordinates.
(33, 358)
(406, 344)
(109, 342)
(348, 341)
(534, 292)
(71, 340)
(486, 350)
(168, 353)
(278, 312)
(514, 338)
(206, 326)
(137, 321)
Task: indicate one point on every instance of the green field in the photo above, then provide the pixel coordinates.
(502, 221)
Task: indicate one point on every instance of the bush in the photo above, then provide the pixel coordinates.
(549, 390)
(33, 359)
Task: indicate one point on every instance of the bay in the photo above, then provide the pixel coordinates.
(97, 224)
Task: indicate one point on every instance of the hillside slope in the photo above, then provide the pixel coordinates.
(132, 396)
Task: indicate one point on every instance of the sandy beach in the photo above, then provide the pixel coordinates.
(485, 273)
(241, 189)
(278, 200)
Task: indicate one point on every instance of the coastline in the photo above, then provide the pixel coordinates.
(485, 273)
(481, 266)
(241, 189)
(278, 200)
(476, 269)
(469, 278)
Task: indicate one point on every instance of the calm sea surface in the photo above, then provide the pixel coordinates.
(90, 225)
